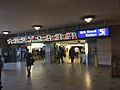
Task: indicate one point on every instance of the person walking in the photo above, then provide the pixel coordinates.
(29, 62)
(72, 54)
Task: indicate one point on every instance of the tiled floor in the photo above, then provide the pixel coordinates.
(58, 77)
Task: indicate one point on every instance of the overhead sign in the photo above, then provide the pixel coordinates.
(58, 37)
(44, 38)
(93, 33)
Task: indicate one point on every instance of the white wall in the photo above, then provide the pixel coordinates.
(104, 51)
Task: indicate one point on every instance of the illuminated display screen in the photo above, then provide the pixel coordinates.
(37, 38)
(93, 33)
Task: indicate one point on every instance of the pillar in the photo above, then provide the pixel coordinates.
(50, 53)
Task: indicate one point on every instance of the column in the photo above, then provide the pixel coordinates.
(50, 53)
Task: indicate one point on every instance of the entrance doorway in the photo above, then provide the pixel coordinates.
(38, 50)
(79, 46)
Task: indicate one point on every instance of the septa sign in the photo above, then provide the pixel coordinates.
(93, 33)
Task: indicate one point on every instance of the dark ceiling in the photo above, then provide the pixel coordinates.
(19, 15)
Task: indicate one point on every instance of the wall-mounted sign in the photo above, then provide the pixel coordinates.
(38, 38)
(93, 33)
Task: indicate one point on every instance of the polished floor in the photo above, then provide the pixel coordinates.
(58, 77)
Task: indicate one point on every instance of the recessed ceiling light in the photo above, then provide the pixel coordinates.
(6, 32)
(37, 27)
(88, 18)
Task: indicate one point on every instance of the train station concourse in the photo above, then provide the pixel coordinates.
(59, 45)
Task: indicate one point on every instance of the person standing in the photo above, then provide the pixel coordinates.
(1, 66)
(41, 53)
(72, 54)
(60, 54)
(77, 52)
(29, 62)
(82, 56)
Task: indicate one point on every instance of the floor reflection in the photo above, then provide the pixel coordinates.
(57, 77)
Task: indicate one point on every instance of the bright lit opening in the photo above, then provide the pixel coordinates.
(35, 46)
